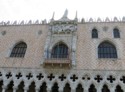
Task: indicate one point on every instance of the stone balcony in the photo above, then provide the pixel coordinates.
(57, 62)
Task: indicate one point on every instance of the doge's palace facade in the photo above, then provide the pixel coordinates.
(63, 55)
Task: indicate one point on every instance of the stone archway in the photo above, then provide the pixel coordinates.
(79, 88)
(10, 87)
(67, 88)
(20, 87)
(32, 87)
(105, 89)
(92, 88)
(55, 88)
(118, 89)
(43, 88)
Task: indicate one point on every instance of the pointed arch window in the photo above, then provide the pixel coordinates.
(60, 51)
(116, 33)
(107, 50)
(94, 33)
(19, 50)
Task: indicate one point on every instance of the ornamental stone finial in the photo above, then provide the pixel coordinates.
(76, 17)
(65, 14)
(123, 18)
(53, 15)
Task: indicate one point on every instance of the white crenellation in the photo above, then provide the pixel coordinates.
(99, 20)
(107, 19)
(116, 19)
(22, 22)
(30, 22)
(123, 19)
(37, 22)
(90, 20)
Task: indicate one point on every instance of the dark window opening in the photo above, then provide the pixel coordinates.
(19, 50)
(118, 89)
(10, 87)
(67, 88)
(55, 88)
(79, 88)
(60, 51)
(92, 88)
(43, 88)
(94, 33)
(116, 33)
(21, 87)
(32, 87)
(105, 89)
(107, 50)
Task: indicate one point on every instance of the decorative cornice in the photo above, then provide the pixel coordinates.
(91, 20)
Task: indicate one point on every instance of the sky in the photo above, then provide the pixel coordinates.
(43, 9)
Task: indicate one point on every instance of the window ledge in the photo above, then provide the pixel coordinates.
(108, 59)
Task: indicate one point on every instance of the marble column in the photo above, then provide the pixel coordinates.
(112, 89)
(99, 89)
(14, 88)
(4, 88)
(26, 89)
(73, 90)
(37, 90)
(86, 89)
(48, 89)
(61, 89)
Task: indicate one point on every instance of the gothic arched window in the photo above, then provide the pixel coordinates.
(19, 50)
(116, 33)
(94, 33)
(107, 50)
(60, 51)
